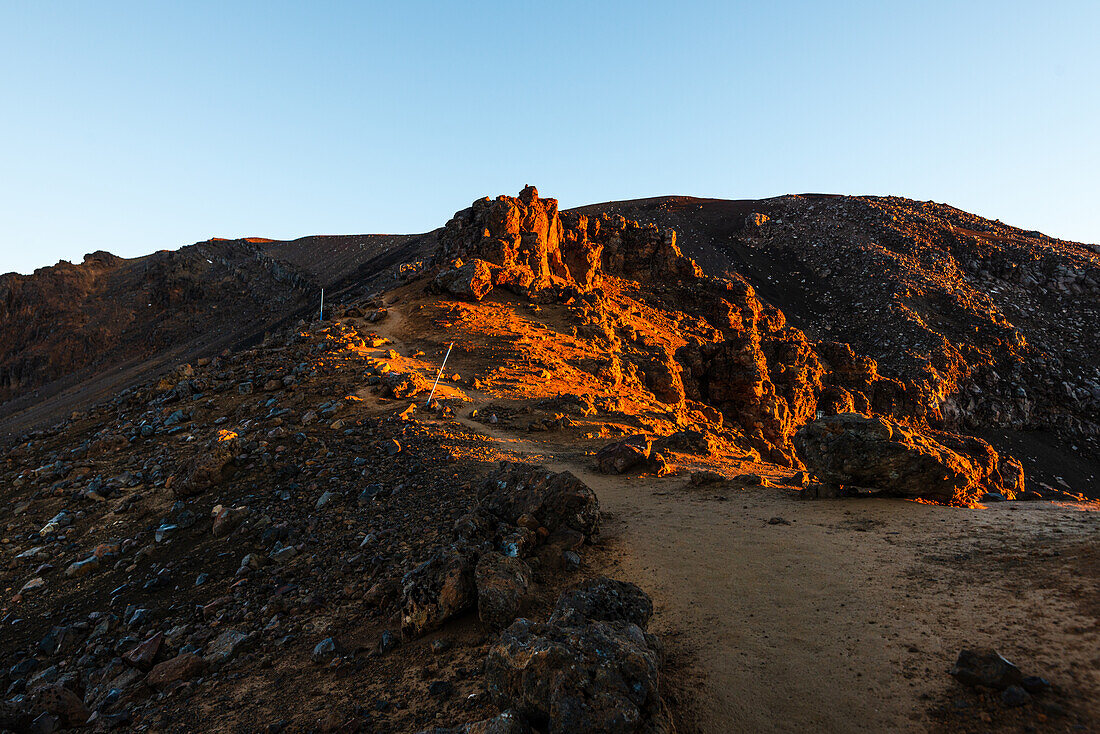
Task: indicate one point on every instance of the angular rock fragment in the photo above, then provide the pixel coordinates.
(435, 591)
(622, 456)
(985, 667)
(183, 667)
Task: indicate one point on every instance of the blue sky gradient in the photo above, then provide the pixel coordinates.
(139, 126)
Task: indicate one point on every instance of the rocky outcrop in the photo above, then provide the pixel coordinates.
(591, 667)
(521, 236)
(522, 244)
(624, 248)
(852, 449)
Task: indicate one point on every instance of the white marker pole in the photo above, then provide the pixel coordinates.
(321, 316)
(438, 374)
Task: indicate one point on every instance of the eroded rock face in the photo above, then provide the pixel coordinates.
(472, 280)
(521, 235)
(877, 453)
(770, 379)
(577, 673)
(522, 244)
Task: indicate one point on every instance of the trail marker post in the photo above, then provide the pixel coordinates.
(439, 374)
(321, 314)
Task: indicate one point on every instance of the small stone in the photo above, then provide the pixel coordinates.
(227, 519)
(224, 647)
(570, 560)
(387, 642)
(441, 689)
(1035, 684)
(1015, 696)
(82, 568)
(33, 585)
(325, 650)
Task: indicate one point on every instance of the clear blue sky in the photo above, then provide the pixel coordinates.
(139, 126)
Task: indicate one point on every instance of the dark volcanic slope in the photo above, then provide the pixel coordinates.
(333, 260)
(73, 334)
(1004, 318)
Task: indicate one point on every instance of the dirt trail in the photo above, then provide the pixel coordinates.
(839, 615)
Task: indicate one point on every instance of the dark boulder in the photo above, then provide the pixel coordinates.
(985, 667)
(579, 674)
(852, 449)
(435, 591)
(607, 600)
(557, 501)
(502, 584)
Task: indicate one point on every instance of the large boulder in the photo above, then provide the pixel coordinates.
(876, 453)
(578, 674)
(60, 702)
(608, 600)
(502, 584)
(557, 500)
(436, 590)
